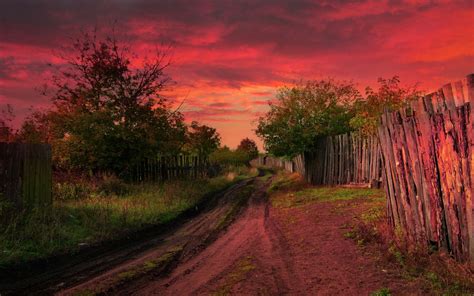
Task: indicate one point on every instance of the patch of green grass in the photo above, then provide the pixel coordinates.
(85, 293)
(374, 213)
(133, 273)
(350, 234)
(266, 176)
(229, 216)
(285, 182)
(336, 193)
(381, 292)
(238, 274)
(149, 265)
(73, 223)
(328, 194)
(433, 279)
(393, 250)
(126, 275)
(437, 283)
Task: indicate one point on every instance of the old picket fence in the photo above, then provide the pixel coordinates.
(25, 174)
(429, 167)
(337, 160)
(162, 168)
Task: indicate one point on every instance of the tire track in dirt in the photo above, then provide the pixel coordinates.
(186, 241)
(254, 238)
(295, 250)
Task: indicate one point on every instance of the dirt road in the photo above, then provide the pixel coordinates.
(274, 251)
(266, 251)
(250, 258)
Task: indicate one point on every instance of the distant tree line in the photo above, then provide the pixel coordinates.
(302, 113)
(245, 152)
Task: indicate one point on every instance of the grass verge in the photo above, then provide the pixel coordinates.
(74, 223)
(290, 190)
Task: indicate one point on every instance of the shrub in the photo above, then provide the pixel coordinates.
(226, 157)
(71, 191)
(111, 185)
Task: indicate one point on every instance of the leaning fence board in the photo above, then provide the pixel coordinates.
(428, 153)
(26, 174)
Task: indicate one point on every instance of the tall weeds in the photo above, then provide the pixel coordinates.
(84, 214)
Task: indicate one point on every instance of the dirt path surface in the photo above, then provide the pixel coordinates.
(246, 246)
(282, 251)
(253, 242)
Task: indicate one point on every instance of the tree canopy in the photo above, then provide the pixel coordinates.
(390, 95)
(249, 147)
(303, 113)
(203, 139)
(6, 117)
(307, 111)
(109, 113)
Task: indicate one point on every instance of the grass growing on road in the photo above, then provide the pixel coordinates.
(73, 223)
(238, 274)
(335, 193)
(289, 190)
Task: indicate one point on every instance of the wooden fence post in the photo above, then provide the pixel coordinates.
(26, 174)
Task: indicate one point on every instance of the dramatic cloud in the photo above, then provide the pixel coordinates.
(229, 56)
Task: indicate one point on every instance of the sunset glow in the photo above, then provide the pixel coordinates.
(229, 56)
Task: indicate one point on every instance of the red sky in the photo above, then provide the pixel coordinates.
(230, 55)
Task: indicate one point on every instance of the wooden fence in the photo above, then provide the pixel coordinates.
(429, 168)
(171, 167)
(25, 174)
(342, 159)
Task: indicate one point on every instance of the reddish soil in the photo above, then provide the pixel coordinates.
(278, 251)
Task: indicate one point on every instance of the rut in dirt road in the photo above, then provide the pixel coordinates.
(183, 243)
(253, 240)
(283, 250)
(266, 248)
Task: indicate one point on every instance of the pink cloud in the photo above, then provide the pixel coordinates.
(229, 57)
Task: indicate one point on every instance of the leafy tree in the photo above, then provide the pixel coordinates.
(390, 95)
(227, 157)
(6, 118)
(203, 139)
(305, 112)
(248, 146)
(36, 128)
(108, 111)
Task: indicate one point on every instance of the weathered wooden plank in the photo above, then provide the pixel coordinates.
(25, 177)
(428, 169)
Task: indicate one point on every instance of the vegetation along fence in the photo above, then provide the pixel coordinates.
(429, 168)
(25, 174)
(342, 159)
(171, 167)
